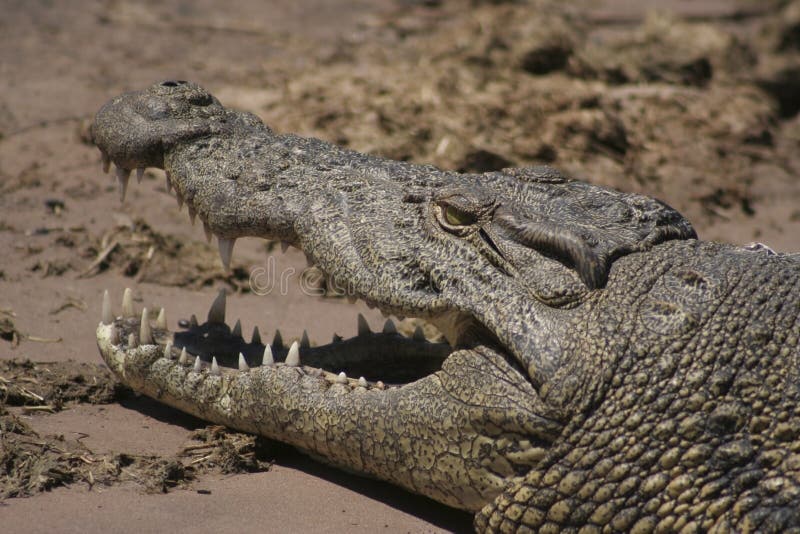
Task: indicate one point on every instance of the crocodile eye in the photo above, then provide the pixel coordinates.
(457, 217)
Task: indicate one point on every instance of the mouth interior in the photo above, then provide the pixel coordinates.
(384, 358)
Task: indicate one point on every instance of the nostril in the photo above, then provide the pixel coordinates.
(171, 83)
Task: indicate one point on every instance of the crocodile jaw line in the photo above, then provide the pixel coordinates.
(219, 349)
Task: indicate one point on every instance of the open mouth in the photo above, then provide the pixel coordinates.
(214, 347)
(380, 359)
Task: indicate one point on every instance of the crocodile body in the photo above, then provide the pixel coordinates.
(604, 370)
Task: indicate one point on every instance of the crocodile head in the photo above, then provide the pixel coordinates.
(603, 370)
(494, 259)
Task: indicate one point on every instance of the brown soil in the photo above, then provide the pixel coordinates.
(693, 102)
(31, 462)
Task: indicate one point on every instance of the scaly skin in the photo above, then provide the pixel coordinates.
(605, 371)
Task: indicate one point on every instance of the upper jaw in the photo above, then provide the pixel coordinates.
(158, 127)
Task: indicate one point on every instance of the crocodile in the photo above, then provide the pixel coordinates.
(604, 370)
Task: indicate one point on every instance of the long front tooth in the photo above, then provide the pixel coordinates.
(183, 359)
(256, 336)
(139, 174)
(145, 335)
(341, 378)
(293, 358)
(389, 327)
(214, 367)
(106, 316)
(127, 303)
(106, 161)
(363, 326)
(198, 365)
(237, 329)
(132, 341)
(243, 363)
(225, 251)
(362, 382)
(267, 360)
(217, 312)
(161, 321)
(168, 350)
(304, 342)
(123, 175)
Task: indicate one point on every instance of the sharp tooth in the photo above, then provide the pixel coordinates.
(192, 214)
(243, 363)
(419, 335)
(336, 338)
(237, 329)
(362, 382)
(304, 342)
(127, 303)
(217, 312)
(132, 341)
(113, 336)
(193, 321)
(183, 359)
(380, 385)
(225, 251)
(106, 161)
(106, 316)
(256, 339)
(179, 198)
(341, 378)
(161, 321)
(208, 232)
(363, 326)
(168, 350)
(389, 327)
(123, 175)
(198, 365)
(139, 174)
(284, 246)
(168, 181)
(214, 367)
(293, 358)
(277, 341)
(145, 335)
(267, 360)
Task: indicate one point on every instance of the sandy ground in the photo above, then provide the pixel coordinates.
(717, 137)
